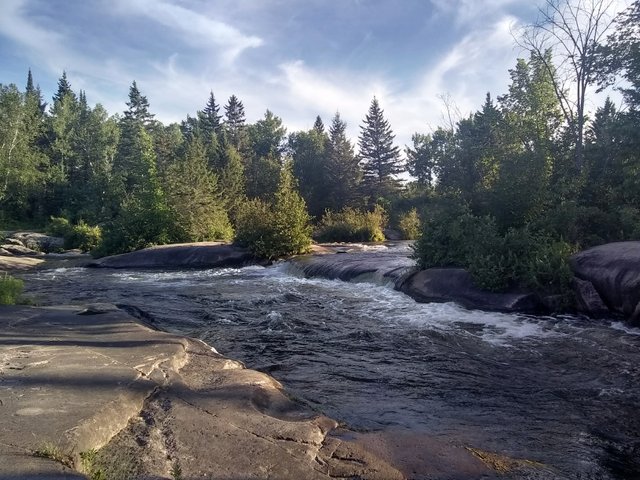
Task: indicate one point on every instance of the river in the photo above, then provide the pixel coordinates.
(561, 390)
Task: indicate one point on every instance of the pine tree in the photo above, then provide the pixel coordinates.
(318, 126)
(379, 157)
(210, 119)
(64, 89)
(138, 111)
(234, 121)
(343, 170)
(309, 157)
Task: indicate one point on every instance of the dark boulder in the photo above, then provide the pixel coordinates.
(39, 241)
(348, 266)
(588, 299)
(614, 271)
(456, 285)
(186, 255)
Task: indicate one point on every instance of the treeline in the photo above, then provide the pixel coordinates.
(507, 192)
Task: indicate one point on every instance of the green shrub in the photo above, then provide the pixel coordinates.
(59, 227)
(520, 258)
(83, 236)
(350, 225)
(409, 225)
(10, 290)
(280, 228)
(139, 224)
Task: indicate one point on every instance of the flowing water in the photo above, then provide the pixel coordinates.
(564, 391)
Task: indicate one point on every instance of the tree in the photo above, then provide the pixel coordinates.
(193, 197)
(318, 125)
(573, 31)
(343, 170)
(138, 108)
(266, 145)
(308, 153)
(64, 88)
(380, 159)
(234, 121)
(210, 119)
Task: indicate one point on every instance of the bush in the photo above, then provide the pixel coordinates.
(520, 258)
(82, 236)
(409, 225)
(351, 225)
(277, 229)
(10, 290)
(140, 224)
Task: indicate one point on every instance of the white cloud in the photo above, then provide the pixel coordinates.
(195, 28)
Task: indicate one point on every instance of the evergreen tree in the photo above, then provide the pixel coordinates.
(264, 155)
(64, 89)
(210, 119)
(379, 157)
(194, 199)
(235, 122)
(318, 125)
(138, 108)
(343, 171)
(309, 164)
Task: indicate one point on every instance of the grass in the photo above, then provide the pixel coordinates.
(10, 290)
(54, 452)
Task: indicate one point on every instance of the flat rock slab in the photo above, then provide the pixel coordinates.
(186, 255)
(74, 380)
(614, 270)
(456, 285)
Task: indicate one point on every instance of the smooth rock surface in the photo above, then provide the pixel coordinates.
(614, 271)
(21, 250)
(39, 241)
(456, 285)
(588, 299)
(185, 255)
(150, 401)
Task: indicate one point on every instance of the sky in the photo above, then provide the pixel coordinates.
(297, 58)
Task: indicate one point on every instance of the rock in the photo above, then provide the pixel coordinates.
(456, 285)
(14, 241)
(349, 266)
(614, 271)
(5, 252)
(391, 234)
(588, 300)
(21, 251)
(185, 255)
(39, 241)
(148, 401)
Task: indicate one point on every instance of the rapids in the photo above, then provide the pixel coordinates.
(564, 390)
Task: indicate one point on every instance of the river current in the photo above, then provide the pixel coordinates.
(562, 390)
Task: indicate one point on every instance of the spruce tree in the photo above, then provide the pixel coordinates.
(234, 121)
(138, 108)
(210, 118)
(318, 125)
(343, 170)
(379, 157)
(64, 88)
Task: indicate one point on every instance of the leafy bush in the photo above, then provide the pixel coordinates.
(520, 258)
(350, 225)
(10, 290)
(59, 227)
(139, 224)
(82, 236)
(272, 230)
(409, 225)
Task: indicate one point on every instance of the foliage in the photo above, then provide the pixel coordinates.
(275, 229)
(520, 258)
(81, 235)
(10, 290)
(409, 225)
(379, 157)
(350, 225)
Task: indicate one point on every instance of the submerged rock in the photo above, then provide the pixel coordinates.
(614, 271)
(456, 285)
(185, 255)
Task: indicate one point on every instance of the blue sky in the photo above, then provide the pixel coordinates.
(299, 58)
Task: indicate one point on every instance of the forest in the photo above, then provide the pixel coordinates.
(508, 192)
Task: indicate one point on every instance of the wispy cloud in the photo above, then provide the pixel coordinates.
(196, 29)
